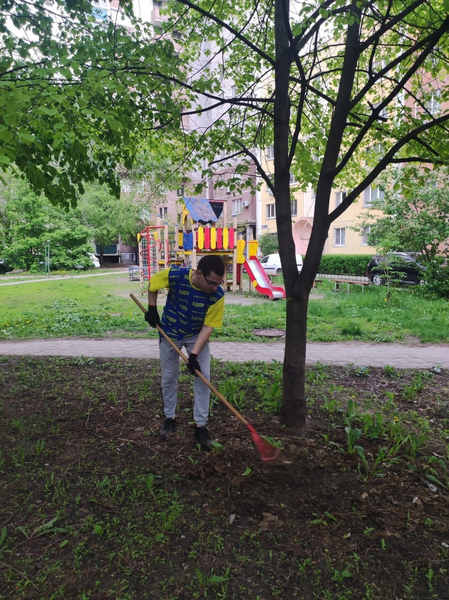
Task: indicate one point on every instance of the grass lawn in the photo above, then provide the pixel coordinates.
(93, 506)
(99, 306)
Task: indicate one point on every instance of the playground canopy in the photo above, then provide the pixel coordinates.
(202, 210)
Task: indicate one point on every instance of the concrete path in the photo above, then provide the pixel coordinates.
(339, 353)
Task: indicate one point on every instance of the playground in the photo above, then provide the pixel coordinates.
(198, 235)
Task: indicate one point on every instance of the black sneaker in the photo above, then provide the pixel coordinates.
(203, 437)
(169, 427)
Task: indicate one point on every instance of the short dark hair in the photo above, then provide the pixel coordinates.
(211, 262)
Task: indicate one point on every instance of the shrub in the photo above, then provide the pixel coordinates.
(268, 243)
(437, 279)
(344, 264)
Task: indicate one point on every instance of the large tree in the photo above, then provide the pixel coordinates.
(29, 222)
(343, 88)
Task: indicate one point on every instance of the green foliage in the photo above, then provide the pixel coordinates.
(413, 215)
(437, 277)
(73, 95)
(344, 264)
(29, 222)
(268, 243)
(108, 217)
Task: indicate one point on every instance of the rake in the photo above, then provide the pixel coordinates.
(266, 450)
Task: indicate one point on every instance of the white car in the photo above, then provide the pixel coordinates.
(94, 259)
(272, 264)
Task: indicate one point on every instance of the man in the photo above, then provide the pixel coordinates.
(194, 307)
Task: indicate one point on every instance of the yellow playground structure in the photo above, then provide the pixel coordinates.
(197, 236)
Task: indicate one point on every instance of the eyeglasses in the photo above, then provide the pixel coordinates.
(212, 283)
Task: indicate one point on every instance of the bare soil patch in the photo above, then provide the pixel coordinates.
(93, 504)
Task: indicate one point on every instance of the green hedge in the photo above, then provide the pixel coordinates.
(344, 264)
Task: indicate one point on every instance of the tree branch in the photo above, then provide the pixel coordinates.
(383, 164)
(234, 32)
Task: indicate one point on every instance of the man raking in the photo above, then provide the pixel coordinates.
(194, 307)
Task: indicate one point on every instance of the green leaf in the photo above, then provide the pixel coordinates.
(26, 138)
(6, 135)
(114, 124)
(216, 579)
(3, 535)
(247, 472)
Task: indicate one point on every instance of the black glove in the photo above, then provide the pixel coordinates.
(152, 316)
(193, 364)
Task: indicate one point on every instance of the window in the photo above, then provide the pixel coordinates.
(371, 194)
(292, 179)
(233, 91)
(101, 11)
(378, 65)
(339, 197)
(270, 152)
(272, 181)
(162, 212)
(157, 25)
(365, 233)
(433, 106)
(340, 236)
(372, 153)
(294, 207)
(237, 206)
(234, 179)
(180, 192)
(271, 211)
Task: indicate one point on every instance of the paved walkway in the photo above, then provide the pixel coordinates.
(338, 353)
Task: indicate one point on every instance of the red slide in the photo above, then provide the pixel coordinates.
(261, 281)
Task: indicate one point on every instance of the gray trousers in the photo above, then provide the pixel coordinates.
(170, 372)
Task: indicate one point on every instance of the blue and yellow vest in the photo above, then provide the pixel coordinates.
(186, 307)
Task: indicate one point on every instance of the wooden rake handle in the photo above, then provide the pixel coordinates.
(198, 373)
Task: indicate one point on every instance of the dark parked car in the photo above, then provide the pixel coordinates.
(398, 266)
(4, 268)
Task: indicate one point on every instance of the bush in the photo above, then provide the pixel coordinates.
(344, 264)
(268, 243)
(437, 279)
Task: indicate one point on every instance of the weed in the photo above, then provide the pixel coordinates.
(352, 329)
(40, 447)
(340, 576)
(390, 371)
(3, 537)
(19, 456)
(362, 372)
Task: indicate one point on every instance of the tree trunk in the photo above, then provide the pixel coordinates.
(293, 412)
(298, 287)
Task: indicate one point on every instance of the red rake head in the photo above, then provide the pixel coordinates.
(266, 450)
